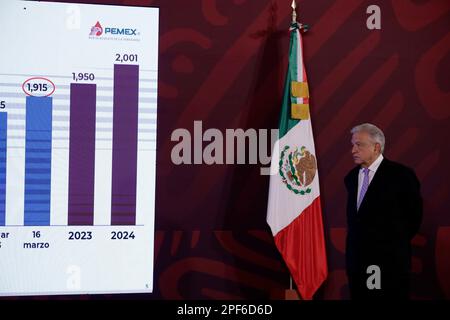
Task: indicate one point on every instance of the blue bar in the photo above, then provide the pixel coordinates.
(38, 161)
(3, 127)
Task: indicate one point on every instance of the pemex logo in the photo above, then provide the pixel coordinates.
(96, 30)
(297, 169)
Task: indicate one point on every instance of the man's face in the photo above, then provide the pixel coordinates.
(364, 149)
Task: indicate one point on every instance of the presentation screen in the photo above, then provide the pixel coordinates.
(78, 107)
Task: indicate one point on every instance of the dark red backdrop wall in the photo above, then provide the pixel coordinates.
(223, 62)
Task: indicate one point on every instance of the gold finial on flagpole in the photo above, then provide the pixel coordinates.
(294, 13)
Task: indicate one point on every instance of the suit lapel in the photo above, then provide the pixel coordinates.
(353, 191)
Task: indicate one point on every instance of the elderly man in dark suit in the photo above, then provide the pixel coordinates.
(384, 212)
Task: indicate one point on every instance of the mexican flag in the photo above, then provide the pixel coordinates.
(294, 213)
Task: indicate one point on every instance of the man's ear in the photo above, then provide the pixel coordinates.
(378, 147)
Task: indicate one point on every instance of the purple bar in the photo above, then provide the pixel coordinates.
(82, 154)
(124, 148)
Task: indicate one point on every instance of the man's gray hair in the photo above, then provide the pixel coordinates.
(374, 132)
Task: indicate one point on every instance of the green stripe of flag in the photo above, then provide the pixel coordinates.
(286, 123)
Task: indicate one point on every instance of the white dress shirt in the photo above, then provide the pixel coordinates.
(372, 170)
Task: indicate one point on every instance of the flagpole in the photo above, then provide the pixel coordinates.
(294, 20)
(293, 294)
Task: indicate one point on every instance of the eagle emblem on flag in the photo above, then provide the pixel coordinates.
(297, 169)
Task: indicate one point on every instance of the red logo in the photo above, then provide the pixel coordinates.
(96, 30)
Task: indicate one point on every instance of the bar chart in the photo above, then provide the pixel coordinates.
(81, 151)
(78, 150)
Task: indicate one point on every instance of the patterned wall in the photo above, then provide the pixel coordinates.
(223, 62)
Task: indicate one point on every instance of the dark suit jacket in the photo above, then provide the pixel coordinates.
(390, 214)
